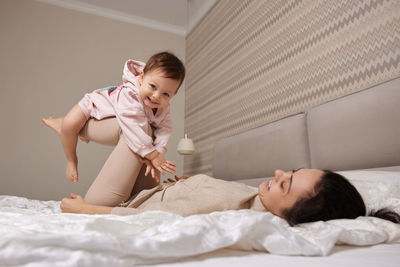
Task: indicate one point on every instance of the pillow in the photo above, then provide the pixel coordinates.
(379, 189)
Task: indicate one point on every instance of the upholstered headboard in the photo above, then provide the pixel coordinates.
(358, 131)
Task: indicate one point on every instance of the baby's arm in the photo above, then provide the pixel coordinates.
(134, 124)
(163, 131)
(160, 163)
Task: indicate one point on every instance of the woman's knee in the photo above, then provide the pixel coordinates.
(106, 131)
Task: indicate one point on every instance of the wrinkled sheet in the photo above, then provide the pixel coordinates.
(35, 233)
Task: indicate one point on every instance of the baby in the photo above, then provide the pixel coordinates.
(142, 99)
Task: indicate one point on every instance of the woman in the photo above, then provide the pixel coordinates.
(299, 196)
(305, 195)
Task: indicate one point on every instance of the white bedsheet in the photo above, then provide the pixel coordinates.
(382, 255)
(35, 233)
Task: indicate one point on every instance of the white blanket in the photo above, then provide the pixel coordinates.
(35, 233)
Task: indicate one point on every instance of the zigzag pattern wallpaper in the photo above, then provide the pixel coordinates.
(252, 62)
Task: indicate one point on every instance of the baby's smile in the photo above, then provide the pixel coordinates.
(151, 101)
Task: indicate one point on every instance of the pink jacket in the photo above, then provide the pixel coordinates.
(125, 103)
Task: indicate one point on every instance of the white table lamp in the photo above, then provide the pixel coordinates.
(185, 146)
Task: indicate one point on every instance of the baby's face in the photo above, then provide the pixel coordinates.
(155, 90)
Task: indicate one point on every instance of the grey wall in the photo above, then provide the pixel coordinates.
(50, 57)
(253, 62)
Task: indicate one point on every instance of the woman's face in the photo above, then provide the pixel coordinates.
(286, 188)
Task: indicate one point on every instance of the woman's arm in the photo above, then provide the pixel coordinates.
(76, 204)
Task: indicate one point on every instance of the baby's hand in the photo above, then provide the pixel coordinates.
(163, 165)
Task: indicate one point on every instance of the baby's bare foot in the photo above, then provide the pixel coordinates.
(54, 123)
(72, 171)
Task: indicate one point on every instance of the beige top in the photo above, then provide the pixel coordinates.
(196, 195)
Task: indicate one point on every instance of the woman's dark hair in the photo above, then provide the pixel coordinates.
(335, 198)
(172, 66)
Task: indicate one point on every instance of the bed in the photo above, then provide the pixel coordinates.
(357, 135)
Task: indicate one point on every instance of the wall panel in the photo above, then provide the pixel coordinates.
(253, 62)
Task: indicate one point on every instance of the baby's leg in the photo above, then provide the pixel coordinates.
(70, 128)
(116, 179)
(56, 123)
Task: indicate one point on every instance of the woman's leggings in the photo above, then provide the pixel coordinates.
(122, 174)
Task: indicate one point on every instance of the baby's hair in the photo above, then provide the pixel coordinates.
(169, 64)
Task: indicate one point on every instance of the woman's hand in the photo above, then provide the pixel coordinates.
(75, 204)
(176, 179)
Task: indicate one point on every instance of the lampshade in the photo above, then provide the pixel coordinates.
(185, 146)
